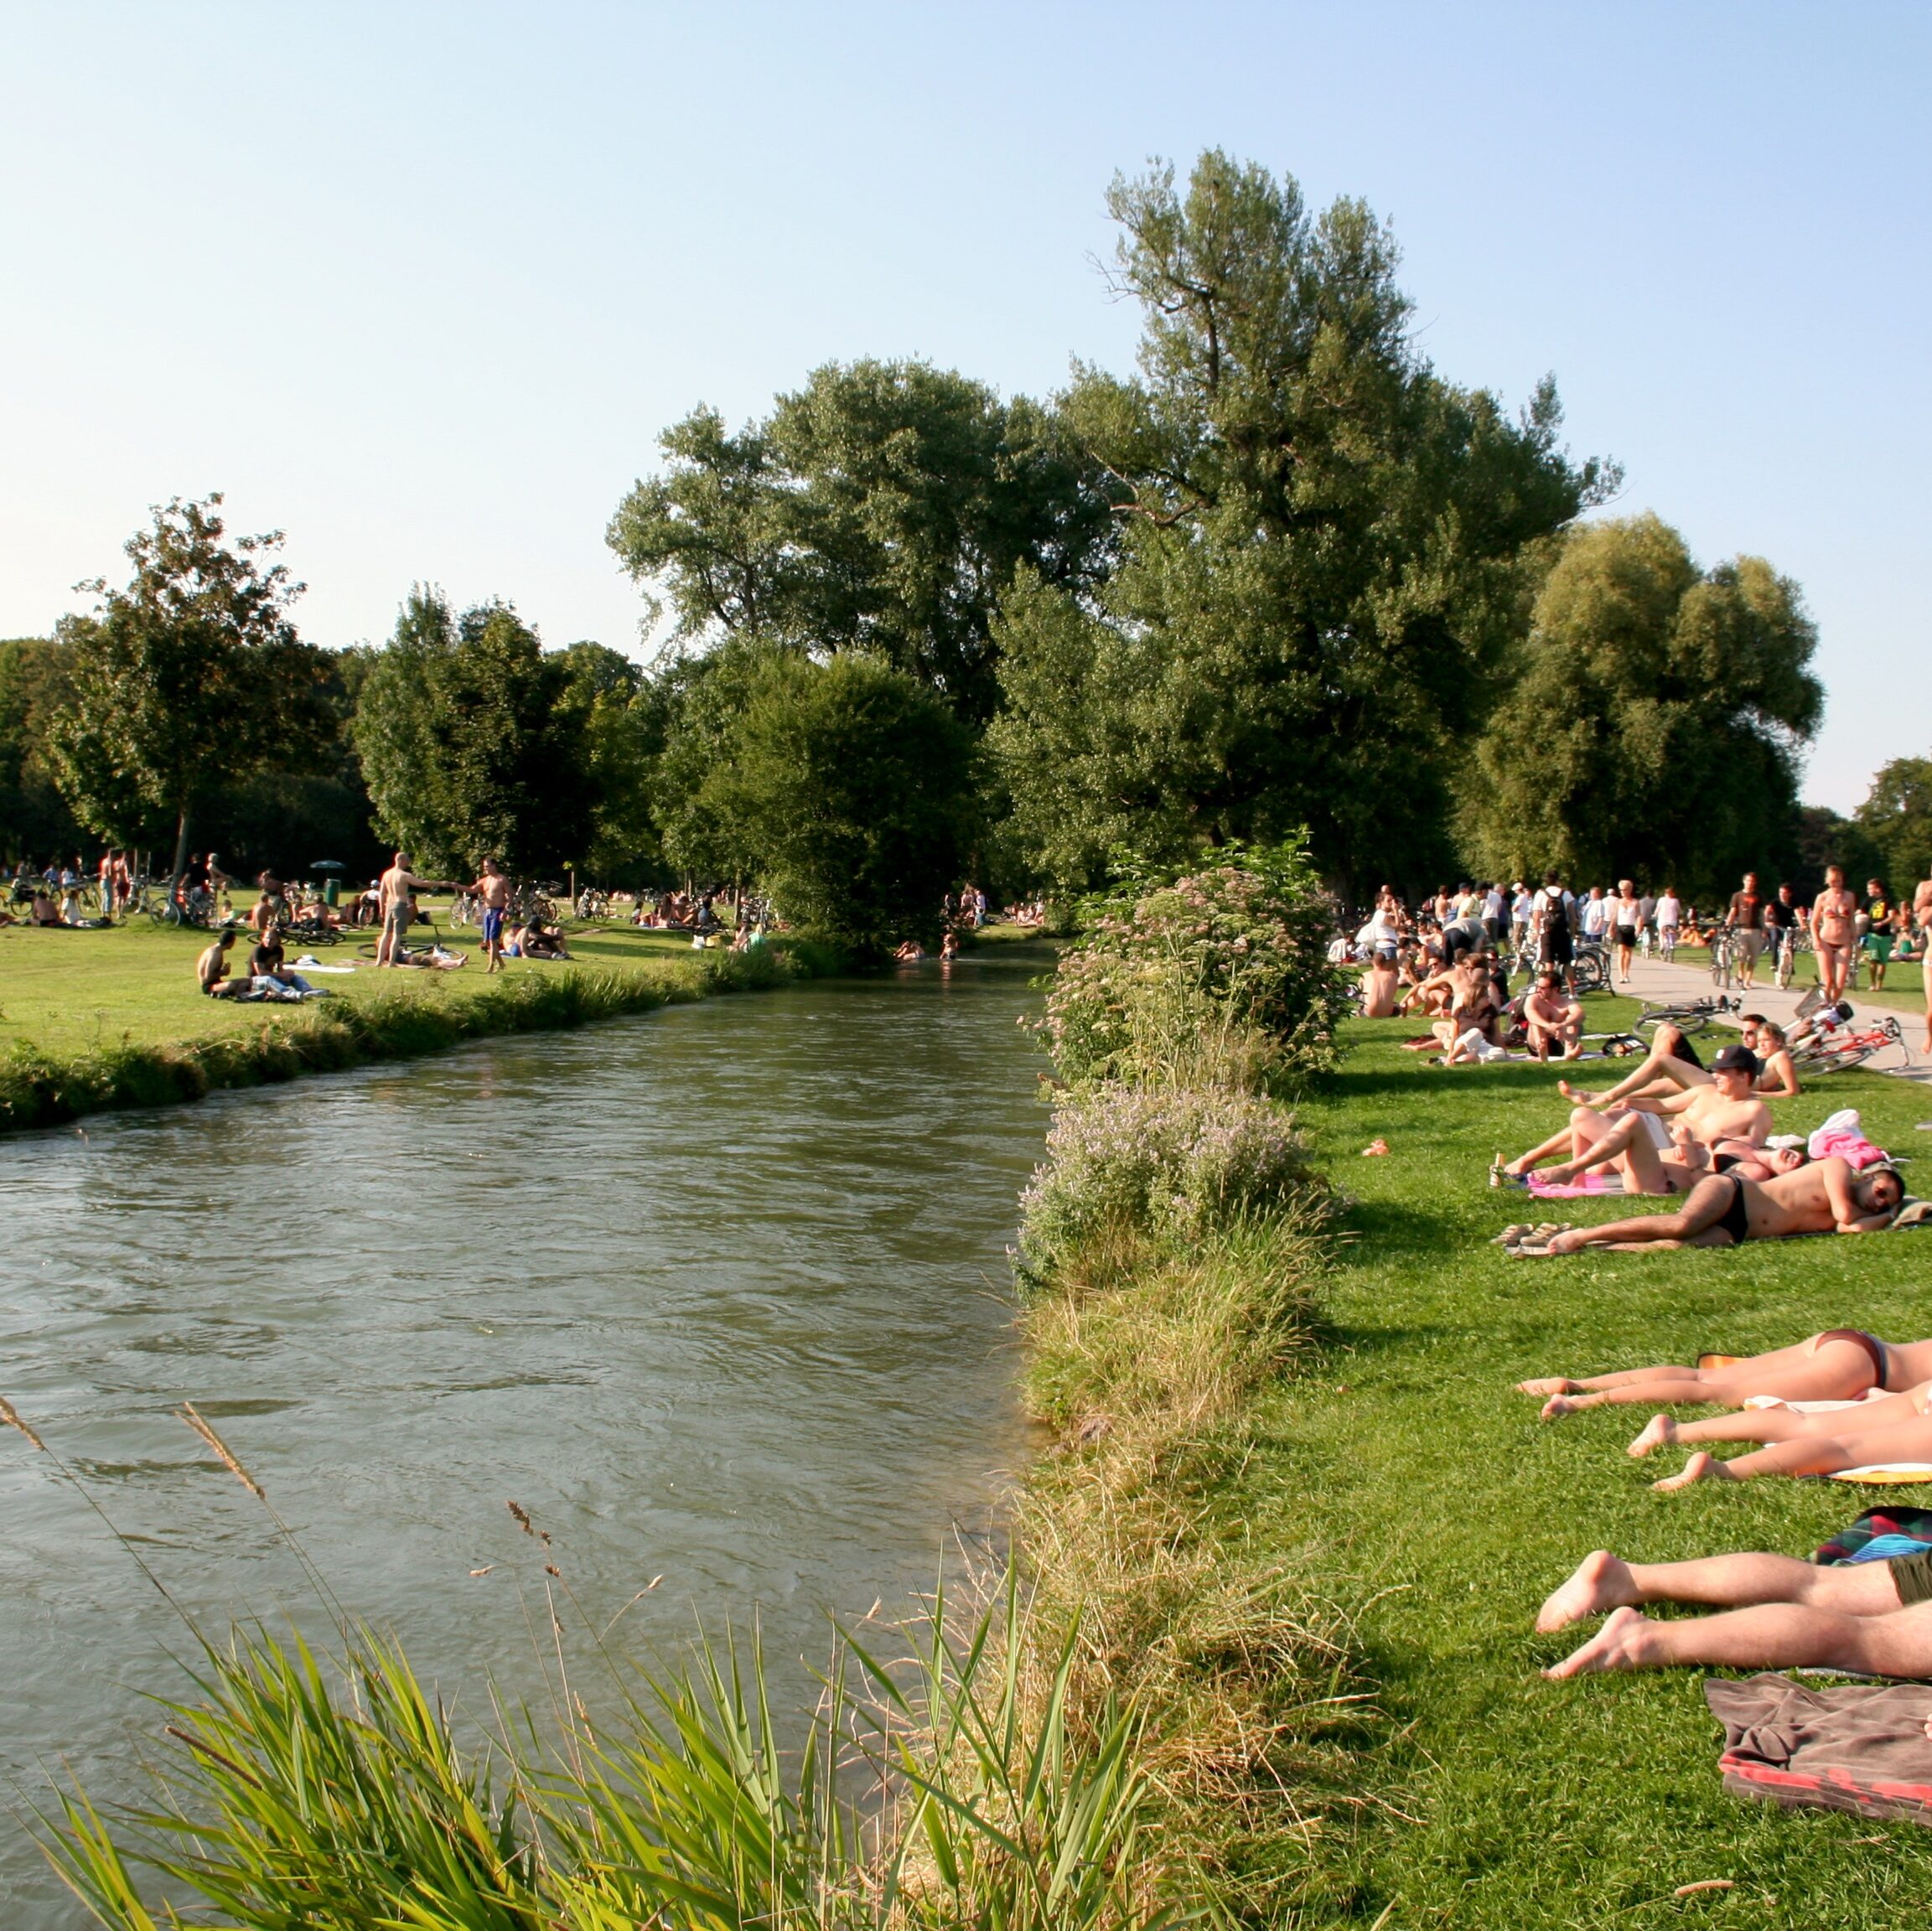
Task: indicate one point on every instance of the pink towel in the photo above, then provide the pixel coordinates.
(1844, 1135)
(1576, 1189)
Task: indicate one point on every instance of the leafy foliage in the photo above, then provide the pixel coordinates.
(1897, 817)
(192, 674)
(475, 742)
(1657, 713)
(1323, 546)
(849, 791)
(1223, 968)
(883, 507)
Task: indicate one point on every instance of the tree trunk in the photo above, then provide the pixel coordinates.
(180, 847)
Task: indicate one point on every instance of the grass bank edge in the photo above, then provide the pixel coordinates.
(39, 1089)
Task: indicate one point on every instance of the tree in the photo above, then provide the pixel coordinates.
(1322, 549)
(1655, 719)
(883, 507)
(35, 818)
(192, 676)
(472, 743)
(1897, 817)
(852, 787)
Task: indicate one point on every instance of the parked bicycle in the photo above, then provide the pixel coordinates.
(1844, 1046)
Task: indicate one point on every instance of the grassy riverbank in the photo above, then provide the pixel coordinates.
(1424, 1498)
(94, 1020)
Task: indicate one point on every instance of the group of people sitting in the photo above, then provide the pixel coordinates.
(1840, 1401)
(1473, 1017)
(268, 976)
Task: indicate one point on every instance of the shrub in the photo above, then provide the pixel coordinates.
(1179, 1164)
(1221, 977)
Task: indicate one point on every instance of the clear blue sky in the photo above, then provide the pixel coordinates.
(421, 283)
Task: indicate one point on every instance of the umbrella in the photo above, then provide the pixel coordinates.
(327, 865)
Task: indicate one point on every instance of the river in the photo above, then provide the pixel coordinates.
(718, 1296)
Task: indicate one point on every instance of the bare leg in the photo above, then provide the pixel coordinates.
(1812, 1455)
(1662, 1072)
(1603, 1581)
(1558, 1144)
(1814, 1370)
(1775, 1636)
(1703, 1207)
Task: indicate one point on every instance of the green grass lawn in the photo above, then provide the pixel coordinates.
(66, 992)
(1408, 1470)
(1902, 992)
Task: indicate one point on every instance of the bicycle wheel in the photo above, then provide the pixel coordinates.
(1831, 1059)
(1593, 973)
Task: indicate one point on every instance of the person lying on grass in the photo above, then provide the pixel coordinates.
(1669, 1070)
(1841, 1364)
(1871, 1617)
(1638, 1138)
(1723, 1210)
(1791, 1428)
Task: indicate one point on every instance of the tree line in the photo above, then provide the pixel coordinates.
(1285, 574)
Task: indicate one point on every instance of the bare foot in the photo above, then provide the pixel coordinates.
(1549, 1384)
(1660, 1432)
(1602, 1582)
(1702, 1466)
(1558, 1405)
(1618, 1645)
(1567, 1242)
(1576, 1095)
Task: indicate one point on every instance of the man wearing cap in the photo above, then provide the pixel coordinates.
(1651, 1140)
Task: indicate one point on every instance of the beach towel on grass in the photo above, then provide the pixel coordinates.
(1861, 1747)
(1577, 1190)
(1881, 1473)
(1879, 1535)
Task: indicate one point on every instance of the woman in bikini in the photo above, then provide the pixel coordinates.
(1838, 1365)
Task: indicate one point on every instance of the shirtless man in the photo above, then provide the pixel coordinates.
(211, 971)
(1379, 982)
(1665, 1071)
(1823, 1198)
(1639, 1141)
(1834, 933)
(396, 884)
(1551, 1018)
(492, 890)
(1922, 918)
(1869, 1617)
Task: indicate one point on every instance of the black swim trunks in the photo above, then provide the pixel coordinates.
(1735, 1219)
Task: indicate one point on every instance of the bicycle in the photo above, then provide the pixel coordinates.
(592, 903)
(196, 907)
(1845, 1046)
(1687, 1015)
(1724, 951)
(1590, 967)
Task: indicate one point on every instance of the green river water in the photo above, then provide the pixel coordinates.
(719, 1295)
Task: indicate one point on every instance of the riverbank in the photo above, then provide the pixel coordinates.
(1423, 1497)
(91, 1020)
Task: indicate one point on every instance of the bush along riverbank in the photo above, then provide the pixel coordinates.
(1172, 1247)
(39, 1089)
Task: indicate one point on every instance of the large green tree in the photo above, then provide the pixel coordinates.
(850, 788)
(1897, 817)
(191, 676)
(881, 507)
(1323, 547)
(473, 741)
(35, 818)
(1654, 718)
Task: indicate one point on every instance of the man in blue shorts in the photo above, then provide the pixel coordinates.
(493, 889)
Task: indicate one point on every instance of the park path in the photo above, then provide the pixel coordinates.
(1658, 983)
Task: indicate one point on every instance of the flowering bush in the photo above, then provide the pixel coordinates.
(1178, 1162)
(1223, 975)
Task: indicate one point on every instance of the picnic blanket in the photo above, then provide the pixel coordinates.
(1861, 1746)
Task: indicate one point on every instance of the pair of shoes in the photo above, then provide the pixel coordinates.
(1534, 1242)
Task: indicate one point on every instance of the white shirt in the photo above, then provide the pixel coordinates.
(1596, 916)
(1668, 912)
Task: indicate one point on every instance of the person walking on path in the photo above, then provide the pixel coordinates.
(1833, 934)
(1746, 919)
(1922, 918)
(493, 889)
(398, 885)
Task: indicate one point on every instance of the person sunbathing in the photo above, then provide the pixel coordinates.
(1870, 1413)
(1779, 1614)
(1669, 1070)
(1551, 1018)
(1638, 1139)
(1823, 1197)
(1841, 1364)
